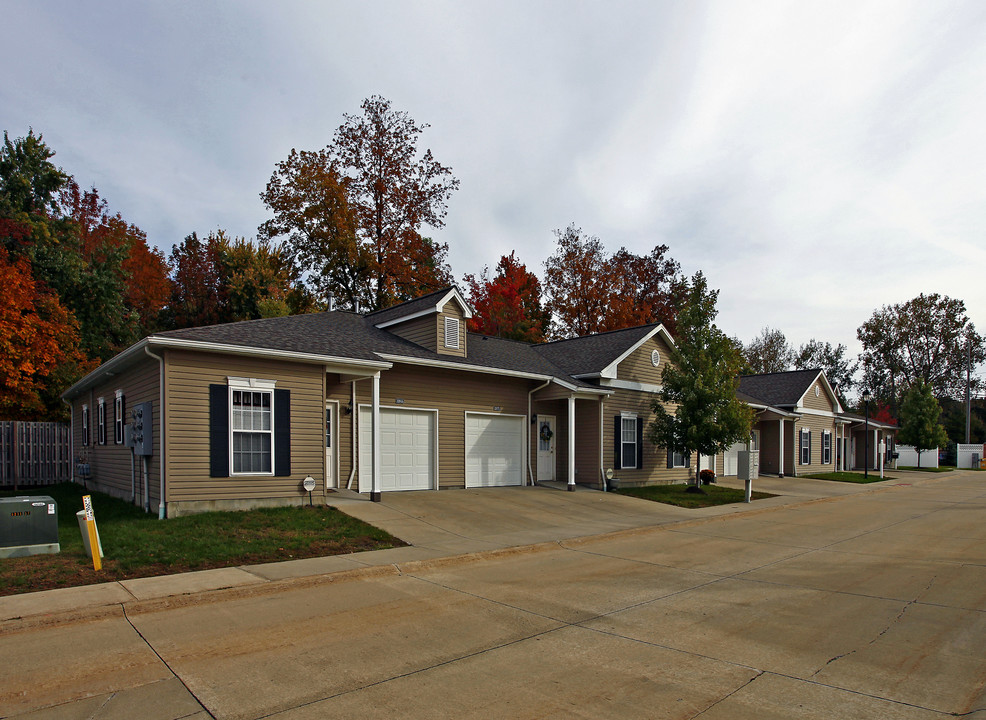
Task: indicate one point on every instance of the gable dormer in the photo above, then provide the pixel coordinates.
(436, 321)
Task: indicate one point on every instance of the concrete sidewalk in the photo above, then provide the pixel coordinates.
(440, 525)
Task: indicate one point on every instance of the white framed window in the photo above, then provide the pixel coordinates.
(251, 426)
(628, 442)
(826, 447)
(85, 425)
(101, 421)
(118, 420)
(452, 332)
(805, 446)
(678, 459)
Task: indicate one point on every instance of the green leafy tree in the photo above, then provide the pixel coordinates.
(700, 382)
(924, 339)
(919, 415)
(839, 369)
(769, 352)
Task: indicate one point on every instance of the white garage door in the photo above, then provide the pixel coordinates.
(494, 450)
(407, 449)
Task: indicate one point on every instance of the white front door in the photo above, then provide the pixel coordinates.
(730, 459)
(330, 440)
(546, 447)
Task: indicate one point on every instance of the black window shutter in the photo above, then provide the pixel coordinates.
(618, 449)
(670, 458)
(640, 444)
(218, 431)
(809, 447)
(282, 433)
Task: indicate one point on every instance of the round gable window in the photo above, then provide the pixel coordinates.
(817, 391)
(655, 358)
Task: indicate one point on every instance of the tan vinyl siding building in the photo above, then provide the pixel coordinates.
(110, 463)
(188, 376)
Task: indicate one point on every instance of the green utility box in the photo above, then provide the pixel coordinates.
(28, 526)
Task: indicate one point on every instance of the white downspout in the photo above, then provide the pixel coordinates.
(161, 424)
(352, 414)
(530, 469)
(71, 438)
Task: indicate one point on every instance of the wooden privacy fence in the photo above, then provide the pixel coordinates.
(34, 453)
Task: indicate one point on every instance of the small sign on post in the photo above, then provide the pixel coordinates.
(97, 562)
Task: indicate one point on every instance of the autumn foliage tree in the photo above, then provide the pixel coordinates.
(355, 210)
(589, 291)
(508, 305)
(222, 279)
(40, 340)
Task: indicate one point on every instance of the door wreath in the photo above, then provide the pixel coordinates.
(546, 433)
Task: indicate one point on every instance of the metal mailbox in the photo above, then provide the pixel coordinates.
(28, 526)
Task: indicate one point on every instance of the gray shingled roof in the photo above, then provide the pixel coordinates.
(592, 353)
(782, 389)
(408, 308)
(348, 335)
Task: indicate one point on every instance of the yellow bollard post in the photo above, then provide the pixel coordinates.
(97, 562)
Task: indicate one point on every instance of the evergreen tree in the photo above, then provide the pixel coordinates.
(920, 425)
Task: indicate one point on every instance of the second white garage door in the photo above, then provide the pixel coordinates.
(494, 450)
(407, 449)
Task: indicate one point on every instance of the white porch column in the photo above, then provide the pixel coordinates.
(602, 470)
(375, 428)
(571, 442)
(876, 448)
(780, 447)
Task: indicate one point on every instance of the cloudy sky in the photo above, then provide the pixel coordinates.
(815, 159)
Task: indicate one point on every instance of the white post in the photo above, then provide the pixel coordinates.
(602, 470)
(375, 428)
(883, 454)
(571, 442)
(780, 447)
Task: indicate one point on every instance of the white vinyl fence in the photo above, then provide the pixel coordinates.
(909, 457)
(969, 456)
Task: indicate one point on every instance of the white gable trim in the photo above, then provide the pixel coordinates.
(451, 294)
(610, 370)
(828, 389)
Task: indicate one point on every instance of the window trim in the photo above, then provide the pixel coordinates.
(101, 421)
(624, 417)
(805, 446)
(252, 385)
(452, 330)
(826, 447)
(118, 418)
(675, 454)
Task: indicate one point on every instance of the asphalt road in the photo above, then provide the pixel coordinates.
(863, 606)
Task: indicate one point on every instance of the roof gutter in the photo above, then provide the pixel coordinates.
(425, 362)
(154, 341)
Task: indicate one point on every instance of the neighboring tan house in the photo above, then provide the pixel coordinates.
(398, 399)
(800, 426)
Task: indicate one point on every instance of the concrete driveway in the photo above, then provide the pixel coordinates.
(864, 606)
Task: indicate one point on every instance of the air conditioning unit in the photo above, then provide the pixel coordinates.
(28, 526)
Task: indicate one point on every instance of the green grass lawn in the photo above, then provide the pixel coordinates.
(943, 468)
(850, 477)
(136, 544)
(677, 495)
